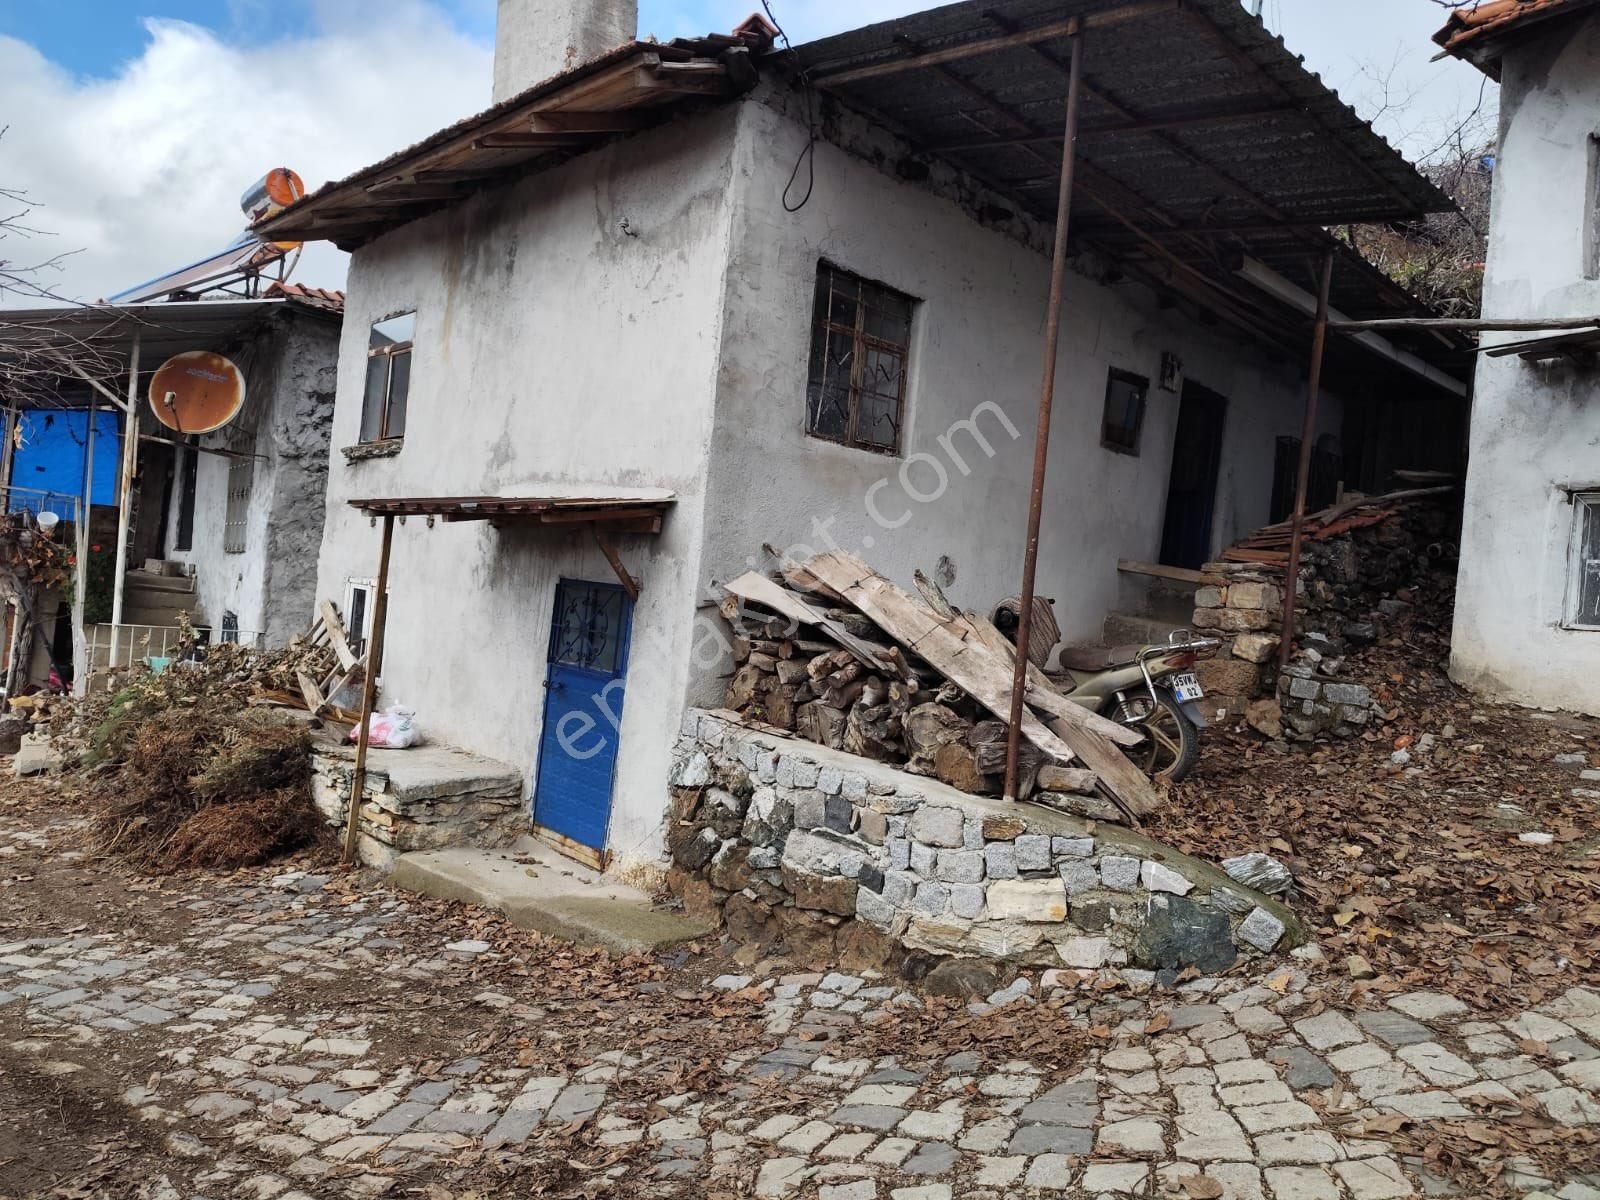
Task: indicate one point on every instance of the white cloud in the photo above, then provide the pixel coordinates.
(142, 172)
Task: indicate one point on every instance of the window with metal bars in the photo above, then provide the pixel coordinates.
(860, 344)
(241, 477)
(383, 409)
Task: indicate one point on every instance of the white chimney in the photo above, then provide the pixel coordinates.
(535, 39)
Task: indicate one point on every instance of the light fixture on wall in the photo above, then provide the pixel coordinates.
(1171, 377)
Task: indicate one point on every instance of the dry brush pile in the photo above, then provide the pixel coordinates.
(189, 769)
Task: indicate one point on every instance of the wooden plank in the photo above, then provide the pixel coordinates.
(758, 589)
(629, 583)
(1043, 694)
(337, 684)
(954, 649)
(1127, 785)
(336, 634)
(309, 689)
(1129, 566)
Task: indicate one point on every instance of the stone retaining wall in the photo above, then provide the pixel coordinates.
(423, 798)
(1244, 607)
(838, 856)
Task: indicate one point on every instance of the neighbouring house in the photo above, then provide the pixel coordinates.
(222, 526)
(665, 303)
(1527, 624)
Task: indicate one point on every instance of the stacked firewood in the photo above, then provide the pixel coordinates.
(808, 662)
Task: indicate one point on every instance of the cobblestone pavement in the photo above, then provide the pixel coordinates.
(283, 1036)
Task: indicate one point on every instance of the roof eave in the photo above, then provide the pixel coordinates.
(628, 89)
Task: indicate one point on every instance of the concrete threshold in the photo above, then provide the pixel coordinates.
(537, 888)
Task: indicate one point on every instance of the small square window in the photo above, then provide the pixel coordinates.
(1583, 563)
(1124, 412)
(383, 408)
(860, 341)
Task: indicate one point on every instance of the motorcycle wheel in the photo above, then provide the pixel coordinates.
(1171, 743)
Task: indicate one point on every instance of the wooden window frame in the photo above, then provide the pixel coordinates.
(388, 354)
(1115, 375)
(861, 342)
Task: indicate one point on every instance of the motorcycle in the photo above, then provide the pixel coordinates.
(1152, 689)
(1149, 688)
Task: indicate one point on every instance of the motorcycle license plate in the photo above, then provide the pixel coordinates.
(1186, 687)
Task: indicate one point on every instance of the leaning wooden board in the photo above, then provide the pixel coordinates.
(1127, 785)
(953, 648)
(1042, 693)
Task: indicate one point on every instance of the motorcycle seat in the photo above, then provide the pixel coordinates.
(1097, 658)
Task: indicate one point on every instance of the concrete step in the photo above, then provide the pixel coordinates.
(536, 888)
(1122, 629)
(156, 598)
(138, 614)
(150, 581)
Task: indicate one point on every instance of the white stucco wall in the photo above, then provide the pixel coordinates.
(976, 340)
(566, 332)
(271, 584)
(1535, 428)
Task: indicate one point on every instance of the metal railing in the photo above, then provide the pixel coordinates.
(22, 499)
(154, 645)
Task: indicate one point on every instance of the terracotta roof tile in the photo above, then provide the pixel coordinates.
(318, 297)
(1469, 28)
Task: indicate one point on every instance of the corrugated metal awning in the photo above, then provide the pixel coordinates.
(1204, 143)
(35, 343)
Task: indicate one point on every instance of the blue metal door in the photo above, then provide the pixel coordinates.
(582, 710)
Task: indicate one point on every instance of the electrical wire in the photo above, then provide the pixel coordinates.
(808, 155)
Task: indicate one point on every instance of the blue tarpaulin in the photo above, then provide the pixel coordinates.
(50, 453)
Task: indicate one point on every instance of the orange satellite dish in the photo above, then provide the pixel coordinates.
(196, 392)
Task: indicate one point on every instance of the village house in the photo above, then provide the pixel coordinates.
(663, 304)
(220, 526)
(1527, 625)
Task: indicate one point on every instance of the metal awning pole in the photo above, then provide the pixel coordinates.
(1308, 432)
(1047, 392)
(130, 464)
(369, 694)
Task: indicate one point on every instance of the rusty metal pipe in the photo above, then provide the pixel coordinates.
(1047, 392)
(1308, 431)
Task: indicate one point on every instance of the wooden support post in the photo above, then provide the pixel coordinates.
(603, 540)
(1047, 391)
(1308, 433)
(369, 694)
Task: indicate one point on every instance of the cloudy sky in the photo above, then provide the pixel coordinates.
(134, 125)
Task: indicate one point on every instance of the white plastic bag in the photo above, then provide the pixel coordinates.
(394, 728)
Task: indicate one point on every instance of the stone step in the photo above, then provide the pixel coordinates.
(538, 889)
(157, 598)
(160, 618)
(152, 581)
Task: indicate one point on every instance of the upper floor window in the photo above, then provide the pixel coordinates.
(860, 343)
(383, 411)
(1124, 412)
